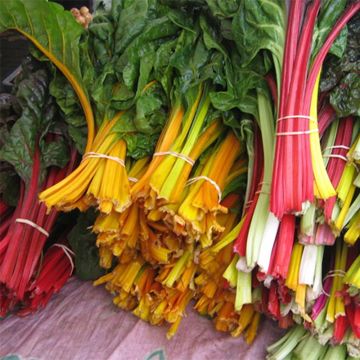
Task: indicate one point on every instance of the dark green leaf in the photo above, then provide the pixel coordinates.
(39, 113)
(257, 25)
(53, 30)
(83, 243)
(330, 11)
(55, 153)
(346, 97)
(223, 8)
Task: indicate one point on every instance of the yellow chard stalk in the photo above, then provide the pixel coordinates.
(323, 184)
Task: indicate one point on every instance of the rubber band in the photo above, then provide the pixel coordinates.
(35, 226)
(262, 192)
(330, 274)
(337, 147)
(178, 155)
(336, 156)
(324, 292)
(335, 273)
(264, 183)
(132, 179)
(355, 166)
(297, 132)
(296, 117)
(103, 156)
(211, 181)
(69, 253)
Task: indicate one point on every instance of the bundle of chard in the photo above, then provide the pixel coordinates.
(160, 160)
(303, 215)
(220, 159)
(299, 344)
(37, 156)
(175, 211)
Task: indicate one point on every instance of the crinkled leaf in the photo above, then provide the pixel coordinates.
(150, 113)
(211, 37)
(38, 114)
(55, 153)
(223, 8)
(163, 71)
(9, 186)
(78, 135)
(240, 92)
(257, 25)
(140, 145)
(140, 127)
(339, 45)
(330, 11)
(83, 243)
(341, 76)
(19, 146)
(345, 98)
(101, 34)
(132, 20)
(54, 32)
(152, 36)
(181, 19)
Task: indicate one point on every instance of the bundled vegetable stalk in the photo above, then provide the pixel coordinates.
(171, 210)
(155, 216)
(41, 158)
(297, 344)
(222, 159)
(323, 185)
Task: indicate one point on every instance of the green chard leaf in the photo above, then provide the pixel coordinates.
(240, 92)
(83, 243)
(329, 13)
(56, 34)
(257, 25)
(345, 98)
(39, 113)
(223, 8)
(340, 76)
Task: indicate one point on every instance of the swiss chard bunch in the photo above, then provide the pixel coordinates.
(38, 151)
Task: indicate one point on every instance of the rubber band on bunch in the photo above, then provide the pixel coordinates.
(32, 224)
(211, 181)
(103, 156)
(176, 154)
(69, 253)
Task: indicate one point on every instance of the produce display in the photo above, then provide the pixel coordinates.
(189, 153)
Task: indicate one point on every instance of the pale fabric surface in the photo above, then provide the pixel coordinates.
(82, 323)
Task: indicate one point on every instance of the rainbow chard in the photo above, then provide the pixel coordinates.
(39, 157)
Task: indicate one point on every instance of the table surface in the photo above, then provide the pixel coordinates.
(82, 323)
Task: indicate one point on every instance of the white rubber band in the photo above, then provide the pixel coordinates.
(211, 181)
(297, 132)
(103, 156)
(335, 273)
(297, 117)
(262, 192)
(337, 147)
(263, 183)
(178, 155)
(336, 156)
(355, 166)
(330, 274)
(324, 292)
(132, 179)
(35, 226)
(69, 253)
